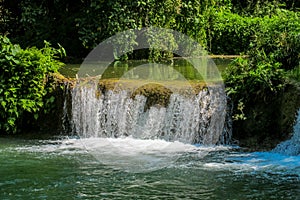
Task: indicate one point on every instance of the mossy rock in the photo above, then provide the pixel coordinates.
(157, 95)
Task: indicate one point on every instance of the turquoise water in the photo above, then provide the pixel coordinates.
(71, 168)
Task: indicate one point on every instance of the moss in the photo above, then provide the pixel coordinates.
(156, 94)
(59, 79)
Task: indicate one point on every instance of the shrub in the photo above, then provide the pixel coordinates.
(279, 35)
(24, 75)
(253, 79)
(232, 33)
(103, 19)
(247, 79)
(273, 51)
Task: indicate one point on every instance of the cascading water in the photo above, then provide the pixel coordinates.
(292, 146)
(66, 118)
(196, 119)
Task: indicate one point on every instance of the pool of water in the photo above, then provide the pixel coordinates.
(118, 69)
(128, 168)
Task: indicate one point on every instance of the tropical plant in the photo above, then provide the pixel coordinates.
(24, 76)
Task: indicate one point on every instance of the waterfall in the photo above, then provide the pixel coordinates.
(292, 146)
(66, 118)
(112, 114)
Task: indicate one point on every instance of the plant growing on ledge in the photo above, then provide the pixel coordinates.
(249, 79)
(24, 82)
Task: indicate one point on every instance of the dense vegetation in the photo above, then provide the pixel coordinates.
(25, 82)
(222, 26)
(267, 31)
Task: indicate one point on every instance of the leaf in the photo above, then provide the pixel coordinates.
(23, 85)
(51, 99)
(3, 103)
(36, 116)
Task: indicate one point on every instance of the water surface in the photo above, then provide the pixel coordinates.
(72, 168)
(118, 69)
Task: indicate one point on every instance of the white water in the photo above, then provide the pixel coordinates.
(120, 133)
(40, 169)
(292, 146)
(198, 119)
(136, 155)
(127, 154)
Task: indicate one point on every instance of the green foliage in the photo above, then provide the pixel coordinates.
(103, 19)
(250, 78)
(195, 18)
(24, 75)
(30, 22)
(280, 36)
(256, 8)
(272, 43)
(263, 7)
(232, 33)
(221, 26)
(294, 75)
(239, 115)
